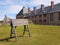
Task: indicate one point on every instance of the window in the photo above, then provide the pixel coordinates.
(35, 21)
(35, 16)
(40, 20)
(59, 16)
(44, 20)
(40, 16)
(44, 15)
(32, 16)
(51, 17)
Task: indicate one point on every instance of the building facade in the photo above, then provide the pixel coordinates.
(44, 15)
(6, 20)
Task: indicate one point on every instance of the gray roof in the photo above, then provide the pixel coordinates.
(24, 11)
(47, 9)
(56, 8)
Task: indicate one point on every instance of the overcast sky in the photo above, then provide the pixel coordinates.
(12, 7)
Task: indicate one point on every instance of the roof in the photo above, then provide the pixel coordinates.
(47, 10)
(56, 8)
(24, 11)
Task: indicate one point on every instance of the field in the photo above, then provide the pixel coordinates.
(40, 35)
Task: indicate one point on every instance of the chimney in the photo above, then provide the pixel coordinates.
(34, 10)
(29, 11)
(23, 7)
(52, 4)
(42, 7)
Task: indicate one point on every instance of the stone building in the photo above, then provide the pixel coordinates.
(6, 20)
(44, 15)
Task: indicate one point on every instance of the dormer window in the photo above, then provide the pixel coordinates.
(40, 16)
(44, 15)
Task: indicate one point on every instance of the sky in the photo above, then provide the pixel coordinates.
(12, 7)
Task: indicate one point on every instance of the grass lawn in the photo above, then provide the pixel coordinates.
(40, 35)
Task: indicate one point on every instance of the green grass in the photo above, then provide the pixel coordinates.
(40, 35)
